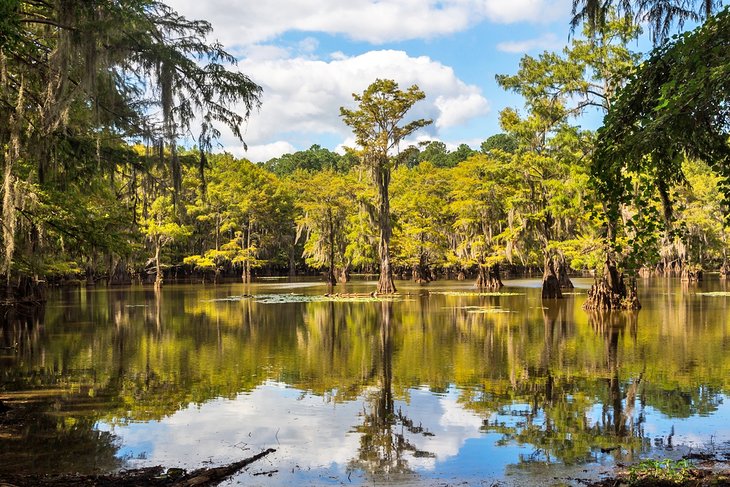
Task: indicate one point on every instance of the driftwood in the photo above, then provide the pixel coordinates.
(150, 476)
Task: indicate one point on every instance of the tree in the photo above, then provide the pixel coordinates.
(324, 205)
(161, 229)
(675, 106)
(480, 195)
(659, 14)
(314, 159)
(504, 142)
(436, 153)
(252, 216)
(420, 211)
(375, 123)
(556, 88)
(79, 80)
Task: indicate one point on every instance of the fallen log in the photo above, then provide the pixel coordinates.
(149, 476)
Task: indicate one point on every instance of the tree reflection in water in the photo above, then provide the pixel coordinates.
(387, 433)
(553, 410)
(37, 435)
(560, 384)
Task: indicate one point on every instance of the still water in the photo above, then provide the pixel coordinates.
(439, 385)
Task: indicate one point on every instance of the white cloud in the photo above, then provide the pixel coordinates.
(242, 23)
(456, 110)
(309, 44)
(537, 11)
(262, 152)
(303, 96)
(546, 42)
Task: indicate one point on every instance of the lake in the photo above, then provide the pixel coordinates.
(438, 385)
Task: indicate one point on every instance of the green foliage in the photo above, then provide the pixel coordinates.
(421, 214)
(435, 153)
(82, 79)
(503, 142)
(375, 123)
(675, 105)
(661, 15)
(674, 472)
(324, 205)
(481, 191)
(314, 159)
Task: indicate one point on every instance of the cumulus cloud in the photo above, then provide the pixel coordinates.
(303, 95)
(262, 152)
(546, 42)
(374, 21)
(536, 11)
(455, 110)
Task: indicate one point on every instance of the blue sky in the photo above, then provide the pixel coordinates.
(310, 56)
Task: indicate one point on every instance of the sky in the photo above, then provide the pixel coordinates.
(311, 56)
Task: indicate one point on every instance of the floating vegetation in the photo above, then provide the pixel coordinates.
(229, 298)
(475, 293)
(490, 311)
(482, 309)
(715, 294)
(304, 298)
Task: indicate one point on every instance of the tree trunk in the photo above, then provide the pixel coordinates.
(331, 279)
(550, 281)
(246, 272)
(421, 275)
(562, 273)
(724, 270)
(158, 267)
(118, 273)
(691, 273)
(292, 260)
(488, 277)
(217, 232)
(344, 274)
(385, 282)
(9, 217)
(610, 291)
(421, 272)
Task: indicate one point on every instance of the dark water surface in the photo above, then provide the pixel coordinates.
(440, 385)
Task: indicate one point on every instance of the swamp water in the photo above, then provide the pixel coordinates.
(440, 385)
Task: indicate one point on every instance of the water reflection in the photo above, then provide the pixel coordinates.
(421, 386)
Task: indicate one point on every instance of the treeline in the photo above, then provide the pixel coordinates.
(313, 211)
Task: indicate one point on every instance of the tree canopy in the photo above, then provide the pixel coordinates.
(675, 105)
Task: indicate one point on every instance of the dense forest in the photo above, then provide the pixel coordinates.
(95, 98)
